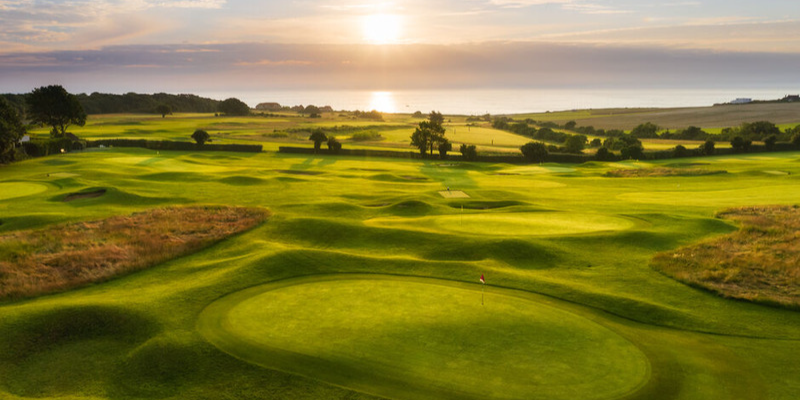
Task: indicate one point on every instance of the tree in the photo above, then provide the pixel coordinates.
(233, 106)
(334, 145)
(596, 142)
(318, 136)
(707, 148)
(163, 109)
(436, 117)
(11, 130)
(200, 136)
(534, 151)
(603, 155)
(769, 142)
(428, 136)
(444, 147)
(740, 145)
(312, 111)
(469, 152)
(635, 152)
(570, 125)
(54, 106)
(796, 140)
(680, 151)
(646, 130)
(418, 114)
(575, 144)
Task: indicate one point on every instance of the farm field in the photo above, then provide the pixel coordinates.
(364, 281)
(708, 118)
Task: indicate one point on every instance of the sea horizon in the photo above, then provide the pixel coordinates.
(499, 101)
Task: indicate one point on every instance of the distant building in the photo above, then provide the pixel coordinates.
(742, 100)
(790, 98)
(25, 138)
(269, 107)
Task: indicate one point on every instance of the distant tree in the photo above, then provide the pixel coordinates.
(796, 140)
(164, 109)
(334, 145)
(200, 136)
(444, 147)
(11, 130)
(418, 114)
(646, 130)
(595, 143)
(707, 148)
(575, 144)
(54, 106)
(680, 151)
(233, 107)
(570, 125)
(436, 118)
(534, 151)
(469, 152)
(759, 129)
(769, 142)
(603, 154)
(318, 137)
(740, 145)
(312, 111)
(632, 152)
(692, 133)
(429, 134)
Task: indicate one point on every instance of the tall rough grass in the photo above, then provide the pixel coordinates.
(760, 262)
(66, 256)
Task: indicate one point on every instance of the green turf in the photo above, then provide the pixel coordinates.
(425, 339)
(565, 236)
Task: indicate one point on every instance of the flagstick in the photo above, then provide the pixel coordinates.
(482, 286)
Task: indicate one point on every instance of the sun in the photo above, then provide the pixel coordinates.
(382, 28)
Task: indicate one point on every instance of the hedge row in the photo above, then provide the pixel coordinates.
(171, 145)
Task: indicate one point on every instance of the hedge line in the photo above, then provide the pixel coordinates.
(171, 145)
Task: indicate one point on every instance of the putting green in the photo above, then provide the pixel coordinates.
(422, 338)
(10, 190)
(512, 224)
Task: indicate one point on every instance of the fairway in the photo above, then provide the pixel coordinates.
(424, 338)
(513, 224)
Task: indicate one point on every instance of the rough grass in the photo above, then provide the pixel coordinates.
(760, 262)
(66, 256)
(655, 172)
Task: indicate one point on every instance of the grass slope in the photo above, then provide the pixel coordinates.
(138, 337)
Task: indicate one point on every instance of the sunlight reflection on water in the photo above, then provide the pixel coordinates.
(383, 102)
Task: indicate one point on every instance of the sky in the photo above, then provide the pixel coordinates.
(232, 45)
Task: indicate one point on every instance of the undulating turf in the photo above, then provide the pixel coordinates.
(573, 243)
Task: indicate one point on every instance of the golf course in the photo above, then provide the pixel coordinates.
(359, 277)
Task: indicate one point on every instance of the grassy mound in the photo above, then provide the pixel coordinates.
(61, 351)
(418, 338)
(71, 255)
(760, 262)
(655, 172)
(512, 224)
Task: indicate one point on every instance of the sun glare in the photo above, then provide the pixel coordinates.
(383, 102)
(382, 28)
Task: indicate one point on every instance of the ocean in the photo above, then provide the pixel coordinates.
(514, 101)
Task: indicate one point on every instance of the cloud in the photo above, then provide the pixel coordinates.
(262, 66)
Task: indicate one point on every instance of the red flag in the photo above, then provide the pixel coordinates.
(482, 280)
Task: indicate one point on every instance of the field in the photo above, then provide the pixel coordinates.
(711, 119)
(364, 281)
